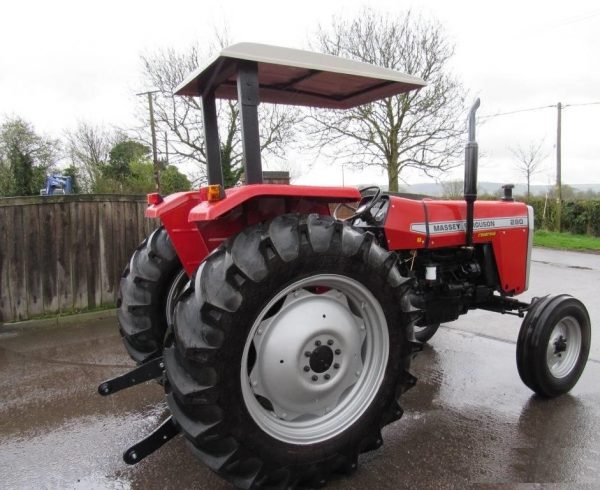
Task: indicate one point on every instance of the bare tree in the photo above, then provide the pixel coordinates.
(181, 117)
(453, 189)
(528, 160)
(88, 147)
(293, 168)
(420, 129)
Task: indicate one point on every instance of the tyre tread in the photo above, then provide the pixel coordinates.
(142, 293)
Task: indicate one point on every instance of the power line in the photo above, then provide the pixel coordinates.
(578, 18)
(531, 109)
(517, 111)
(545, 28)
(582, 104)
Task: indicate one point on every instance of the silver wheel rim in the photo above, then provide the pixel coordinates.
(564, 347)
(313, 367)
(174, 290)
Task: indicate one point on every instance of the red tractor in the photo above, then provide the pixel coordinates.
(283, 334)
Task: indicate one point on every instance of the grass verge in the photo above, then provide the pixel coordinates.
(566, 241)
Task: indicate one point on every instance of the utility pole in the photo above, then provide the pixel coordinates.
(558, 168)
(153, 132)
(166, 150)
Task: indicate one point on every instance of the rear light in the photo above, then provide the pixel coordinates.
(154, 198)
(214, 193)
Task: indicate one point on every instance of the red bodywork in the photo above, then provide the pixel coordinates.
(197, 226)
(186, 213)
(413, 225)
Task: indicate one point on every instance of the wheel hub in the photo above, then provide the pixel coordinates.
(302, 333)
(560, 345)
(564, 347)
(321, 359)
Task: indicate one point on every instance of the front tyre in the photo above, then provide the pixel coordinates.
(553, 345)
(424, 334)
(289, 352)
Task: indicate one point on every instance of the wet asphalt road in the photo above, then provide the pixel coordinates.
(469, 421)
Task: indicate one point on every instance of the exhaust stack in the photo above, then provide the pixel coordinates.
(471, 160)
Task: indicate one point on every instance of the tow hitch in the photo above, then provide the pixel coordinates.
(150, 370)
(161, 435)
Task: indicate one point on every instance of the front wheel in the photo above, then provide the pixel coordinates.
(553, 345)
(424, 334)
(289, 352)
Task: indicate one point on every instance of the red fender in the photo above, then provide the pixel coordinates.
(196, 226)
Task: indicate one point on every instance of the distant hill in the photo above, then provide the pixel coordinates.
(435, 189)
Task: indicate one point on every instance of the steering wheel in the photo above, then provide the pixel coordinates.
(367, 202)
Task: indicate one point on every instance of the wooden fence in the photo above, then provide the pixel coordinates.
(61, 254)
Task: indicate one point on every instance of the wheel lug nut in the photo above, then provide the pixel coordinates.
(336, 366)
(338, 352)
(327, 376)
(317, 343)
(306, 369)
(307, 354)
(330, 342)
(314, 377)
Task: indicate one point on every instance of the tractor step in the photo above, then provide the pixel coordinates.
(163, 434)
(149, 370)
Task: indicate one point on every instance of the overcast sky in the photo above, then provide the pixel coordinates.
(61, 61)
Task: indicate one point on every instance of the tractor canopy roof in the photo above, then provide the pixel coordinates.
(297, 77)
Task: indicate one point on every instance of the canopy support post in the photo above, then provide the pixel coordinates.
(248, 99)
(211, 138)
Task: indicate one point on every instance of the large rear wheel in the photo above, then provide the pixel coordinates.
(289, 352)
(148, 292)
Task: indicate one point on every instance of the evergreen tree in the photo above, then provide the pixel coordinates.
(25, 158)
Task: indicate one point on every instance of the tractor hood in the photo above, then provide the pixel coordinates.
(297, 77)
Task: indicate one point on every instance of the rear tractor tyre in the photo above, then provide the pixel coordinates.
(424, 334)
(553, 345)
(149, 288)
(289, 352)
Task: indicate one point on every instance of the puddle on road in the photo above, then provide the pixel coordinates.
(79, 454)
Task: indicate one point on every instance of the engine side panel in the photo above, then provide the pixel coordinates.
(429, 224)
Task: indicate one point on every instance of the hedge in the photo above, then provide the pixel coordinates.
(581, 217)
